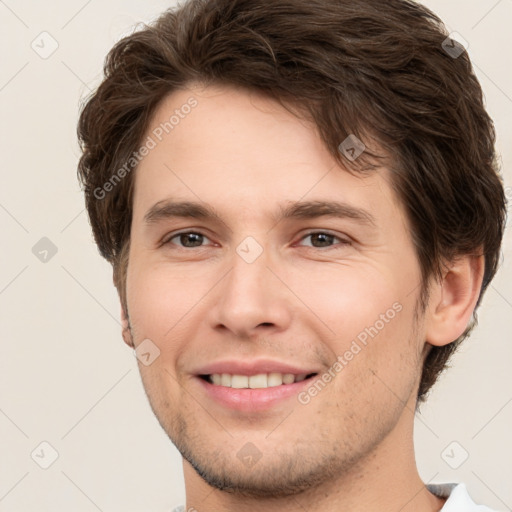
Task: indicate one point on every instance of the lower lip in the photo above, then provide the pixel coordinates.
(249, 400)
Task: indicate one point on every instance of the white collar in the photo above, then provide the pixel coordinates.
(458, 498)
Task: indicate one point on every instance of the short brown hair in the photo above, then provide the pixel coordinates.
(378, 70)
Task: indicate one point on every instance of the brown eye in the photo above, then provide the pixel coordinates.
(321, 239)
(187, 239)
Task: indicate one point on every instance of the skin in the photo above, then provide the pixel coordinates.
(302, 301)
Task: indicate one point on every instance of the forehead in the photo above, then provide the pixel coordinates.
(219, 144)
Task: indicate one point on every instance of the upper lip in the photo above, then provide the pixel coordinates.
(254, 367)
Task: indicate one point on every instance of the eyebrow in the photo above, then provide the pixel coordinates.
(167, 209)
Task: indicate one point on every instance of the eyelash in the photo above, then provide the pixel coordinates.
(342, 241)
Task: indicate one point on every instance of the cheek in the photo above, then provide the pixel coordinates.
(367, 319)
(381, 363)
(163, 305)
(348, 298)
(159, 298)
(156, 304)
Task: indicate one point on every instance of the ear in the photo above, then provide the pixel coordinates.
(453, 300)
(125, 324)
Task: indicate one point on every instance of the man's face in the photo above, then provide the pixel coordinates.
(252, 288)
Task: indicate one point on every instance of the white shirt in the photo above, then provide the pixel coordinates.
(457, 494)
(458, 498)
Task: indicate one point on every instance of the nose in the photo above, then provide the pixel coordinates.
(252, 299)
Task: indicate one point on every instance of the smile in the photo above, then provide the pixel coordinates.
(259, 381)
(255, 393)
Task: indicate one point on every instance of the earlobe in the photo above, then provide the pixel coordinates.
(125, 325)
(454, 299)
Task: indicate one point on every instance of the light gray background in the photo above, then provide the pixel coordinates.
(66, 376)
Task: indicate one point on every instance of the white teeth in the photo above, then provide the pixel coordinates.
(239, 381)
(258, 381)
(261, 380)
(274, 379)
(288, 378)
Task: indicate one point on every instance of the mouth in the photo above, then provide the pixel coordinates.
(258, 381)
(253, 393)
